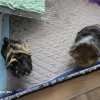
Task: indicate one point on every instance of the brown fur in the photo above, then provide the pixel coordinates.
(86, 54)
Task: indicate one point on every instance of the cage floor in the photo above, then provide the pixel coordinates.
(51, 39)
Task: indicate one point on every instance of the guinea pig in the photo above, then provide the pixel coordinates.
(86, 48)
(17, 57)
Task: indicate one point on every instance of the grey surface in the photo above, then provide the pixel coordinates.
(50, 40)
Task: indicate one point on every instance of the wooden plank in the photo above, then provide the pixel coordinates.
(81, 97)
(94, 94)
(68, 89)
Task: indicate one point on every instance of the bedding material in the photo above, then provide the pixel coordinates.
(37, 6)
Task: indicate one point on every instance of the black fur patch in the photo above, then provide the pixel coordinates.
(17, 57)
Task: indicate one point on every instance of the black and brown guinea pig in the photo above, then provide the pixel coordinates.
(17, 57)
(86, 49)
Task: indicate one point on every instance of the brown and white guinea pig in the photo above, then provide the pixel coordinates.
(86, 49)
(17, 57)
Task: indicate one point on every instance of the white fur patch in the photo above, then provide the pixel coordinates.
(84, 40)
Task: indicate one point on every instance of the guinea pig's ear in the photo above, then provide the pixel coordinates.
(6, 40)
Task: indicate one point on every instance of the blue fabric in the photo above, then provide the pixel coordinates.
(3, 71)
(64, 76)
(5, 27)
(3, 75)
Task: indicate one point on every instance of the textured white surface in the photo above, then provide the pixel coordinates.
(50, 40)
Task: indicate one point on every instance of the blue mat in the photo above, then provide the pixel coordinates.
(3, 71)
